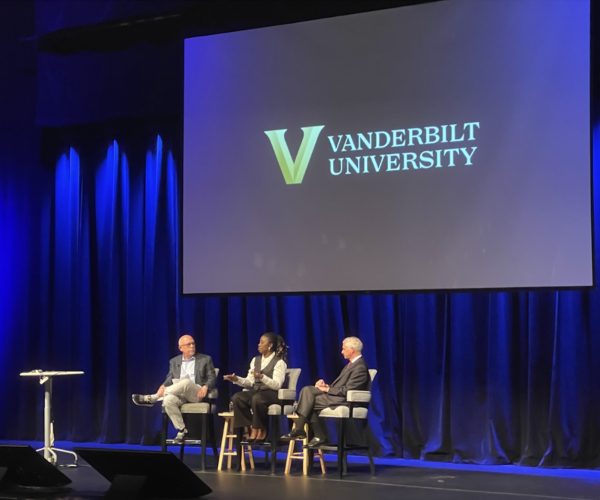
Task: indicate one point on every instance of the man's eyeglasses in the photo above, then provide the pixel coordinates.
(188, 345)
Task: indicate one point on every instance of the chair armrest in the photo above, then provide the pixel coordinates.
(358, 396)
(286, 394)
(214, 394)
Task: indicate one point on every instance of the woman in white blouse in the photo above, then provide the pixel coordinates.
(265, 377)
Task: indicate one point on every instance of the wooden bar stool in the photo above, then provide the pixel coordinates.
(304, 453)
(227, 445)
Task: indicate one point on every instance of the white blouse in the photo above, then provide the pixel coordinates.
(274, 383)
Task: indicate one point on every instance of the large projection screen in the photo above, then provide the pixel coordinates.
(443, 146)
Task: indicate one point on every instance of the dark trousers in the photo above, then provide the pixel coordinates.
(258, 402)
(310, 403)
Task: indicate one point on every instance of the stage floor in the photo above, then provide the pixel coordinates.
(391, 482)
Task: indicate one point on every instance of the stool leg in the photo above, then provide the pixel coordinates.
(181, 450)
(239, 449)
(288, 461)
(250, 456)
(223, 443)
(306, 455)
(322, 460)
(291, 446)
(230, 430)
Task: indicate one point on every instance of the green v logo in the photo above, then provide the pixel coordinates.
(294, 170)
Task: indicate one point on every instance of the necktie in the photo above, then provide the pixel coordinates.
(348, 365)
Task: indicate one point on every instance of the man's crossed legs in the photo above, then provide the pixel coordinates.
(184, 391)
(310, 403)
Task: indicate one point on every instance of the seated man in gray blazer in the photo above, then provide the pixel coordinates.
(313, 399)
(190, 378)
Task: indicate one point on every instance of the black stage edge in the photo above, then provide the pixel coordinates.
(391, 482)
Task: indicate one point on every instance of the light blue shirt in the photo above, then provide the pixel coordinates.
(188, 367)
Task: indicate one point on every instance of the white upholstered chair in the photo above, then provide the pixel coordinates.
(357, 408)
(207, 411)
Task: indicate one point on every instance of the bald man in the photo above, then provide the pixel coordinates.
(191, 376)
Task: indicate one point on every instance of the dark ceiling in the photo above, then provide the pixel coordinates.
(201, 17)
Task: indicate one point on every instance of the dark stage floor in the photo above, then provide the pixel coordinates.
(391, 482)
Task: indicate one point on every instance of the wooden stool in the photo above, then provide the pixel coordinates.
(227, 444)
(303, 455)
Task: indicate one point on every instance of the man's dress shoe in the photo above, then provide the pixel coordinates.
(315, 442)
(294, 434)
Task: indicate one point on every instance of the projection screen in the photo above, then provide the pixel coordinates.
(442, 146)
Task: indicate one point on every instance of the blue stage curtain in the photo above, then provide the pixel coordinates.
(490, 378)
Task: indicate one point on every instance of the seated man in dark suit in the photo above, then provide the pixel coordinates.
(190, 378)
(313, 399)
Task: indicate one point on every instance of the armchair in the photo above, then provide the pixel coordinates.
(356, 409)
(207, 431)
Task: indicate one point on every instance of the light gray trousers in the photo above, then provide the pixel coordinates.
(184, 391)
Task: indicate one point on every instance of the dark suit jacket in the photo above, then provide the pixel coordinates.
(354, 378)
(204, 371)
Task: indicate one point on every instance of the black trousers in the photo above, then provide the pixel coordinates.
(310, 403)
(258, 402)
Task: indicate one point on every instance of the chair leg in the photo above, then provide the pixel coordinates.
(369, 449)
(163, 432)
(344, 448)
(213, 437)
(274, 434)
(182, 447)
(238, 447)
(371, 462)
(340, 448)
(203, 439)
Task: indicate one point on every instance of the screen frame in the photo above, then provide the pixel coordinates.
(592, 106)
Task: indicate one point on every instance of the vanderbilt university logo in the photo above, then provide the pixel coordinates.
(294, 170)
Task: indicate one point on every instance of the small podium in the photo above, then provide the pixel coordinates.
(46, 380)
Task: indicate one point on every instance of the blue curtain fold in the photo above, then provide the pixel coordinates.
(490, 378)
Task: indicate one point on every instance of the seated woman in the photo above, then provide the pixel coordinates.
(265, 377)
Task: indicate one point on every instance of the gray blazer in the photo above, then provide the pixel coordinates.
(204, 370)
(354, 378)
